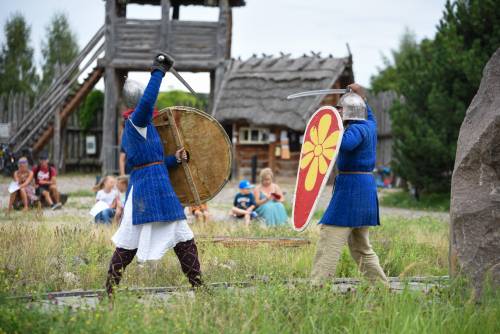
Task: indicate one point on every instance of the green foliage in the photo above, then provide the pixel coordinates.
(180, 98)
(17, 67)
(59, 49)
(431, 202)
(91, 106)
(438, 79)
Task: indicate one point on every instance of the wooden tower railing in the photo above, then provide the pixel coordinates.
(61, 98)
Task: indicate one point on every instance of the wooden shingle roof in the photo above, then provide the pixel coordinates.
(255, 90)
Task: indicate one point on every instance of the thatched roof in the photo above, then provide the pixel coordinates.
(211, 3)
(255, 90)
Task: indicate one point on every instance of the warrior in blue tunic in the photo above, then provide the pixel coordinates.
(153, 219)
(354, 205)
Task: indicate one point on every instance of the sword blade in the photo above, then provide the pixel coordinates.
(184, 82)
(316, 92)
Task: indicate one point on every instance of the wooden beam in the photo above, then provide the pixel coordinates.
(175, 14)
(234, 167)
(249, 241)
(56, 153)
(109, 135)
(166, 30)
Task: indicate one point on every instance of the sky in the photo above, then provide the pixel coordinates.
(371, 28)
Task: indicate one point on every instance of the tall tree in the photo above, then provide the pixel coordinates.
(438, 79)
(91, 106)
(58, 49)
(17, 67)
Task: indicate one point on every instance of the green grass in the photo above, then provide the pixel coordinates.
(82, 193)
(430, 202)
(38, 255)
(271, 308)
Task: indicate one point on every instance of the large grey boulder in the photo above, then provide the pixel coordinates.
(475, 186)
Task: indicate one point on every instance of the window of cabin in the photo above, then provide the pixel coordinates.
(251, 135)
(294, 140)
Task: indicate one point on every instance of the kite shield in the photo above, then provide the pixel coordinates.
(208, 147)
(322, 140)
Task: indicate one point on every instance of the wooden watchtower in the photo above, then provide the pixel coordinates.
(120, 46)
(196, 46)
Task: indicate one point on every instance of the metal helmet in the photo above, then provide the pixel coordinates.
(132, 93)
(353, 107)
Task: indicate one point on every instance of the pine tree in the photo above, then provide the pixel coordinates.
(59, 48)
(17, 67)
(438, 79)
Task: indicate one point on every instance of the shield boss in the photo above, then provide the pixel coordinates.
(209, 149)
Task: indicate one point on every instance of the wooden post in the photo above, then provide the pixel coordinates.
(270, 154)
(234, 167)
(111, 91)
(11, 110)
(2, 117)
(222, 42)
(62, 157)
(175, 14)
(211, 96)
(165, 26)
(56, 153)
(109, 135)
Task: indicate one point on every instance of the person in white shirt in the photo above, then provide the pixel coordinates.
(107, 193)
(122, 186)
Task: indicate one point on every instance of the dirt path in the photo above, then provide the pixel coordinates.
(79, 205)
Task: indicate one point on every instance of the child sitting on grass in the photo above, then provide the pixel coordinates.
(244, 203)
(107, 193)
(121, 185)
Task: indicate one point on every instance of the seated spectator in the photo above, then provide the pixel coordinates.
(200, 212)
(244, 203)
(107, 193)
(45, 182)
(269, 199)
(23, 186)
(122, 186)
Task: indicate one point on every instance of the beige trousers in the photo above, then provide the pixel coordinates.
(331, 241)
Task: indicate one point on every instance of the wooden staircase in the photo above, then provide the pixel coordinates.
(63, 97)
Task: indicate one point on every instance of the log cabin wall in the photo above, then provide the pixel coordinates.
(380, 104)
(265, 153)
(192, 44)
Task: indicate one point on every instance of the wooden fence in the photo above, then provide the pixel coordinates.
(380, 104)
(14, 108)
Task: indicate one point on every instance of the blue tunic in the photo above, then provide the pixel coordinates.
(154, 198)
(354, 202)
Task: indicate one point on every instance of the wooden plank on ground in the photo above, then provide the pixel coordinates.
(250, 241)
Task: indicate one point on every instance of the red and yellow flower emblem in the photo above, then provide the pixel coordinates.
(318, 151)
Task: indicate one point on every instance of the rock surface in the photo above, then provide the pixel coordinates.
(475, 189)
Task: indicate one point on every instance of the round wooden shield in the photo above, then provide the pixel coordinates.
(209, 149)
